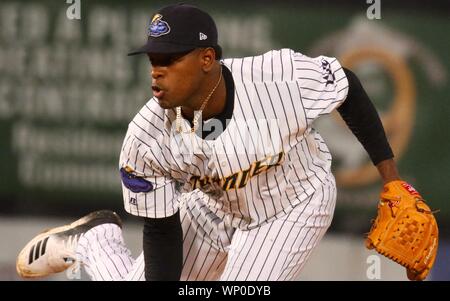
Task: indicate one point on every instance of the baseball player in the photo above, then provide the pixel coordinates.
(222, 164)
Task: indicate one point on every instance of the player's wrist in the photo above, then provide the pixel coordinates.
(388, 171)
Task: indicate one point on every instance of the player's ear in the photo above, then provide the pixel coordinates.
(208, 58)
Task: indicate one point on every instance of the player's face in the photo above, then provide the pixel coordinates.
(177, 78)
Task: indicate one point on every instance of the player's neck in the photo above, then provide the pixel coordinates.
(216, 103)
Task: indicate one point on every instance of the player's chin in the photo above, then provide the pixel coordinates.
(163, 103)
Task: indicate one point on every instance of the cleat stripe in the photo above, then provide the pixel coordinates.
(30, 258)
(44, 246)
(36, 251)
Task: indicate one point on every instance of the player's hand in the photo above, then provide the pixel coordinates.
(405, 229)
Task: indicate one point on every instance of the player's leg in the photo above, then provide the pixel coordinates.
(97, 245)
(104, 255)
(204, 242)
(205, 239)
(137, 272)
(95, 241)
(278, 250)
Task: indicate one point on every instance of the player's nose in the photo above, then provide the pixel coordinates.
(157, 72)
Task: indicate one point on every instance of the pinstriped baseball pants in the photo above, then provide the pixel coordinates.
(276, 250)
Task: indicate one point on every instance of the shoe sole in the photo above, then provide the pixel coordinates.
(77, 227)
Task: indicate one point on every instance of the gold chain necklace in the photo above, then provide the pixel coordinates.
(199, 112)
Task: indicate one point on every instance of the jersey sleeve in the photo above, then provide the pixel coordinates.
(148, 189)
(322, 83)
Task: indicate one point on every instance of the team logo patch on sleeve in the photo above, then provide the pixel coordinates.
(158, 27)
(134, 183)
(327, 73)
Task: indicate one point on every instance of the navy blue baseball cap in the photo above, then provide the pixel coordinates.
(179, 28)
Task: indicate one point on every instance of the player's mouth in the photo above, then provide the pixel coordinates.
(157, 92)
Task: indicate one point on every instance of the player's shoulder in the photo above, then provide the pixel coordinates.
(272, 66)
(268, 56)
(318, 61)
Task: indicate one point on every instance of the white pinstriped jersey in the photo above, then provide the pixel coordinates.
(267, 160)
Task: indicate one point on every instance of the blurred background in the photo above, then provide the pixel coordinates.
(68, 91)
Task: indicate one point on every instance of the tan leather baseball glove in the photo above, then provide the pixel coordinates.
(405, 229)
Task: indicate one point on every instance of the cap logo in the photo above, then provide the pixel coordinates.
(158, 27)
(203, 36)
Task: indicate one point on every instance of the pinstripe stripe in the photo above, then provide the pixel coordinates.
(209, 270)
(308, 244)
(108, 267)
(269, 251)
(258, 253)
(285, 262)
(194, 260)
(138, 270)
(241, 168)
(274, 263)
(330, 198)
(102, 251)
(112, 238)
(231, 263)
(205, 258)
(250, 247)
(99, 265)
(200, 252)
(318, 237)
